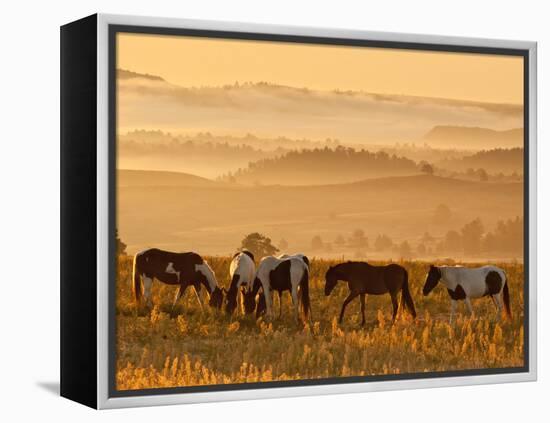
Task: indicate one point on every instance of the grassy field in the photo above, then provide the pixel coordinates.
(208, 347)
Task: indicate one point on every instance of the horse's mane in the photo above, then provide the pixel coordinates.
(248, 253)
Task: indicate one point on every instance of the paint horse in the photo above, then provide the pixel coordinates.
(242, 271)
(363, 279)
(282, 274)
(300, 256)
(463, 283)
(182, 269)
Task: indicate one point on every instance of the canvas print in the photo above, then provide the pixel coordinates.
(295, 211)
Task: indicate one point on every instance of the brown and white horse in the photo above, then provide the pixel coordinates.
(241, 271)
(281, 274)
(464, 283)
(363, 279)
(182, 269)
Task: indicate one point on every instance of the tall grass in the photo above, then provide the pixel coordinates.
(208, 347)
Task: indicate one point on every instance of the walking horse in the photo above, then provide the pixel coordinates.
(182, 269)
(463, 283)
(363, 279)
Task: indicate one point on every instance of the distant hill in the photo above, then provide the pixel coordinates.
(323, 166)
(150, 178)
(214, 218)
(272, 110)
(500, 160)
(126, 74)
(474, 138)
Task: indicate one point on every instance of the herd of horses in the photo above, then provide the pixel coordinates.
(253, 286)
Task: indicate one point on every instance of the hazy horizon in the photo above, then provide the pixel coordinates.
(283, 132)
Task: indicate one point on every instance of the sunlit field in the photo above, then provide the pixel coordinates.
(207, 347)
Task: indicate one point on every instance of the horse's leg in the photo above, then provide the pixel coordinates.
(470, 308)
(280, 304)
(268, 302)
(497, 300)
(295, 302)
(395, 305)
(350, 297)
(147, 287)
(197, 291)
(362, 298)
(179, 293)
(241, 300)
(453, 310)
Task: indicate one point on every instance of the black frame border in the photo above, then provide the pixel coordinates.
(114, 29)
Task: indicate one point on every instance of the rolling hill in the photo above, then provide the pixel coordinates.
(474, 138)
(212, 218)
(505, 160)
(323, 166)
(147, 178)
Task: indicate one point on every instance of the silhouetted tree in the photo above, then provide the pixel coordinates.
(453, 241)
(358, 239)
(340, 241)
(427, 168)
(405, 250)
(482, 175)
(471, 236)
(427, 238)
(259, 245)
(382, 242)
(316, 243)
(506, 237)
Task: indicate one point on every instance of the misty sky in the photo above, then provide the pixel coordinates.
(189, 62)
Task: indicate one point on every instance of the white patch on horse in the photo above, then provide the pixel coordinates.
(208, 273)
(243, 266)
(297, 269)
(170, 269)
(473, 281)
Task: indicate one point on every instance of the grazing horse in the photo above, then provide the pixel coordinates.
(362, 279)
(463, 283)
(286, 274)
(300, 256)
(181, 269)
(242, 271)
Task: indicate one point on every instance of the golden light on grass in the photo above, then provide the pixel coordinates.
(205, 348)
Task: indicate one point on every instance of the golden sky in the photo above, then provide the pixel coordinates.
(189, 61)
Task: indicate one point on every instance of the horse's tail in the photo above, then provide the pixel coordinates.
(304, 290)
(406, 298)
(506, 299)
(136, 286)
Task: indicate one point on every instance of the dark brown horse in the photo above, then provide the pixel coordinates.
(183, 269)
(362, 279)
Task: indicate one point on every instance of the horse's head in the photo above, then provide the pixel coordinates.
(331, 279)
(434, 275)
(249, 301)
(261, 309)
(216, 298)
(230, 300)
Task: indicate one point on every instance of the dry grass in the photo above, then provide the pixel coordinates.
(198, 348)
